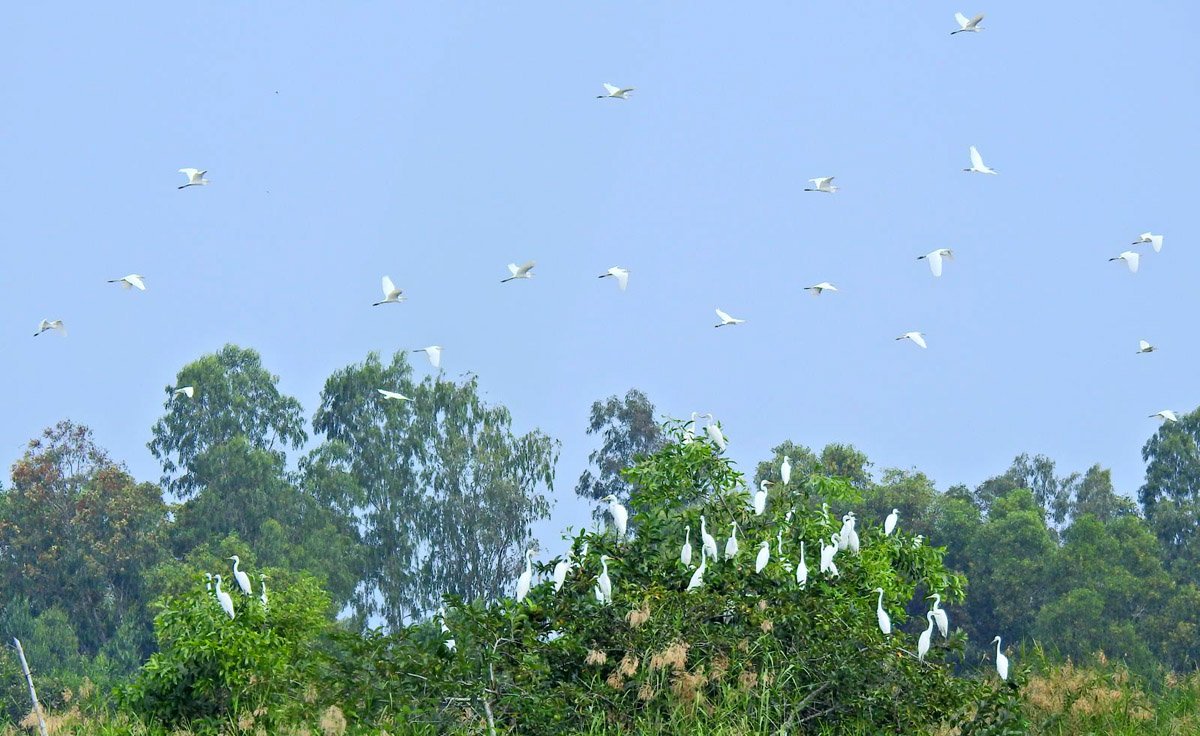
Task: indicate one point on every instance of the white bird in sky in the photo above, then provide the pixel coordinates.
(760, 498)
(188, 391)
(434, 353)
(802, 568)
(225, 599)
(195, 177)
(1001, 660)
(685, 552)
(731, 545)
(816, 289)
(1166, 415)
(713, 430)
(764, 556)
(1145, 347)
(939, 615)
(785, 470)
(618, 273)
(391, 295)
(706, 540)
(917, 337)
(934, 259)
(132, 281)
(967, 25)
(526, 578)
(698, 576)
(519, 272)
(726, 319)
(889, 524)
(885, 621)
(392, 395)
(926, 639)
(51, 324)
(619, 515)
(604, 582)
(614, 92)
(1154, 240)
(243, 580)
(822, 184)
(1131, 259)
(561, 568)
(977, 165)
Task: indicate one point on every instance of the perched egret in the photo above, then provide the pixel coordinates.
(391, 295)
(977, 165)
(561, 568)
(698, 576)
(925, 640)
(262, 581)
(1166, 415)
(132, 281)
(934, 259)
(685, 554)
(779, 542)
(764, 556)
(1001, 660)
(618, 273)
(689, 429)
(224, 598)
(822, 184)
(51, 324)
(713, 430)
(392, 395)
(526, 578)
(619, 515)
(1145, 347)
(726, 319)
(240, 576)
(939, 615)
(731, 545)
(188, 391)
(1154, 240)
(614, 92)
(604, 581)
(760, 498)
(434, 353)
(853, 544)
(844, 532)
(917, 337)
(1131, 259)
(802, 568)
(785, 470)
(519, 272)
(195, 177)
(598, 593)
(816, 289)
(827, 553)
(451, 645)
(885, 621)
(707, 541)
(889, 524)
(967, 25)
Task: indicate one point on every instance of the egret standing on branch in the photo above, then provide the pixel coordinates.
(889, 524)
(698, 576)
(760, 498)
(560, 572)
(802, 568)
(925, 640)
(939, 615)
(885, 621)
(604, 583)
(243, 580)
(526, 578)
(224, 598)
(785, 471)
(731, 546)
(619, 515)
(685, 554)
(764, 556)
(713, 430)
(1001, 660)
(707, 541)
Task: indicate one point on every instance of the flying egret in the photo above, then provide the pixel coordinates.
(526, 578)
(1001, 660)
(188, 391)
(827, 553)
(450, 643)
(816, 289)
(760, 498)
(977, 165)
(889, 524)
(885, 621)
(132, 281)
(713, 430)
(434, 353)
(619, 515)
(764, 556)
(51, 324)
(939, 615)
(392, 395)
(1166, 415)
(698, 576)
(224, 598)
(391, 295)
(519, 272)
(1154, 240)
(262, 581)
(561, 568)
(707, 541)
(967, 25)
(934, 259)
(685, 554)
(917, 337)
(822, 184)
(604, 582)
(1145, 347)
(618, 273)
(802, 568)
(731, 545)
(925, 640)
(785, 470)
(195, 177)
(1131, 259)
(614, 92)
(240, 576)
(726, 319)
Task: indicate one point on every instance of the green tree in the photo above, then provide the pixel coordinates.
(1170, 497)
(629, 432)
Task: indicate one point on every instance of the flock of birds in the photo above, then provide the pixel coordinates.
(213, 585)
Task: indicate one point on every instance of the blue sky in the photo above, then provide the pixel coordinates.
(437, 142)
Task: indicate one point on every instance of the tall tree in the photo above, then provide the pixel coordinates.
(444, 491)
(1170, 497)
(628, 432)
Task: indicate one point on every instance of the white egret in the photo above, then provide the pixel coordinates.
(614, 92)
(188, 391)
(224, 598)
(526, 578)
(760, 498)
(1001, 660)
(51, 324)
(519, 272)
(785, 470)
(618, 273)
(392, 395)
(240, 576)
(1145, 347)
(939, 615)
(698, 576)
(889, 524)
(802, 568)
(822, 184)
(561, 568)
(132, 281)
(391, 295)
(1155, 241)
(262, 581)
(689, 429)
(885, 621)
(844, 532)
(926, 638)
(967, 25)
(764, 556)
(713, 430)
(934, 259)
(977, 165)
(1166, 415)
(195, 177)
(726, 319)
(707, 541)
(816, 289)
(685, 554)
(827, 553)
(605, 582)
(619, 515)
(731, 545)
(598, 593)
(779, 543)
(449, 642)
(1131, 259)
(434, 353)
(917, 337)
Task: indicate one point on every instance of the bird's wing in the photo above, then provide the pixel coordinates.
(723, 316)
(962, 20)
(975, 21)
(935, 262)
(1142, 344)
(622, 278)
(1156, 241)
(976, 159)
(918, 338)
(611, 89)
(1132, 259)
(189, 173)
(821, 181)
(388, 287)
(136, 282)
(526, 267)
